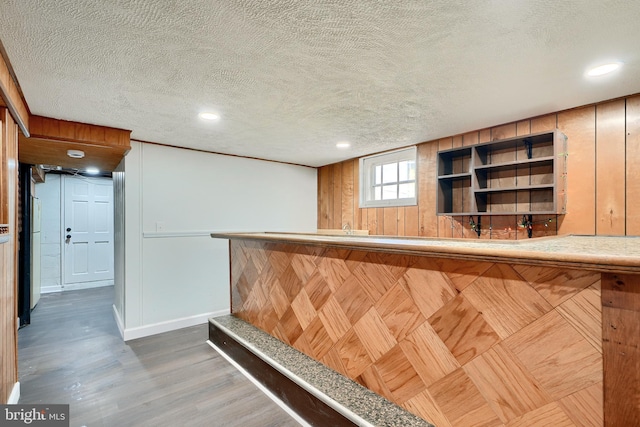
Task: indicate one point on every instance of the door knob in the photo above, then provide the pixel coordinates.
(68, 236)
(68, 229)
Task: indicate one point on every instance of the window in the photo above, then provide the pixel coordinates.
(388, 179)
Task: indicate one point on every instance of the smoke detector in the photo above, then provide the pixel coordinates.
(75, 154)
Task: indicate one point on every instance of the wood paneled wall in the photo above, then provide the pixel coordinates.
(603, 181)
(8, 256)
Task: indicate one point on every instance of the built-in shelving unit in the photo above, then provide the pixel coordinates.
(524, 175)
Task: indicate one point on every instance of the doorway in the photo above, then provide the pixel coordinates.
(86, 259)
(87, 223)
(85, 205)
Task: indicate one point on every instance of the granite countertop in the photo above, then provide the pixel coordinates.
(597, 253)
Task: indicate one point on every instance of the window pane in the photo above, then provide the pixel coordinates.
(407, 170)
(389, 173)
(381, 174)
(407, 190)
(389, 192)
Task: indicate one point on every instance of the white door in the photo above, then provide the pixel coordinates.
(88, 232)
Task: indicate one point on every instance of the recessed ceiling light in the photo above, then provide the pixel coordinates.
(343, 145)
(209, 116)
(92, 171)
(75, 154)
(601, 70)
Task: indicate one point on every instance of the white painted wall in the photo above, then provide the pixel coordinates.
(118, 243)
(175, 274)
(49, 192)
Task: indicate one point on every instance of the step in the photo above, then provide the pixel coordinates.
(315, 392)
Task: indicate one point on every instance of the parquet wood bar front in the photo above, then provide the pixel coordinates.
(458, 343)
(621, 348)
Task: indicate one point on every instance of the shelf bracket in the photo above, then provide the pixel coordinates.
(476, 226)
(528, 145)
(527, 222)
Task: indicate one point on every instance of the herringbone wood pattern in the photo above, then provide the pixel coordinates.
(458, 343)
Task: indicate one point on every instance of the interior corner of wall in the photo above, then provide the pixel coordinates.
(119, 320)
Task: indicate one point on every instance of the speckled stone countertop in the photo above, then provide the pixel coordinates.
(597, 253)
(357, 403)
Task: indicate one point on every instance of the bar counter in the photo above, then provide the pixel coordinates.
(595, 253)
(457, 331)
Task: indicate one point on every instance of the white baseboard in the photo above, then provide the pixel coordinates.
(262, 388)
(116, 316)
(50, 289)
(14, 397)
(87, 285)
(170, 325)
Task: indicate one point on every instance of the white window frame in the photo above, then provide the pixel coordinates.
(367, 180)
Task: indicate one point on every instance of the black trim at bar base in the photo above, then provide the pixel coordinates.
(306, 405)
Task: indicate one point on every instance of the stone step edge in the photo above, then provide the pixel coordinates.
(350, 399)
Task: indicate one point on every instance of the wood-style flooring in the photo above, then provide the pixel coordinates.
(72, 353)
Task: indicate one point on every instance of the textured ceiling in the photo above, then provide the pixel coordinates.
(290, 79)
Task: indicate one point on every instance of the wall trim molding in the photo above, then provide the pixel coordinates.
(170, 325)
(189, 233)
(14, 397)
(87, 285)
(220, 154)
(51, 289)
(168, 234)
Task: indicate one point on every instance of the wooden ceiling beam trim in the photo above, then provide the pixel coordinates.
(11, 97)
(62, 130)
(37, 151)
(103, 147)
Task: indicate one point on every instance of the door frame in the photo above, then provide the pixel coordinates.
(63, 250)
(24, 252)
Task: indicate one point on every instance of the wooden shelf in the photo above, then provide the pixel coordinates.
(455, 176)
(521, 175)
(514, 164)
(454, 162)
(508, 189)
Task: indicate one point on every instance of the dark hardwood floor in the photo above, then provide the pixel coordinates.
(72, 353)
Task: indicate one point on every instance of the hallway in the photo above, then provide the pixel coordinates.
(72, 353)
